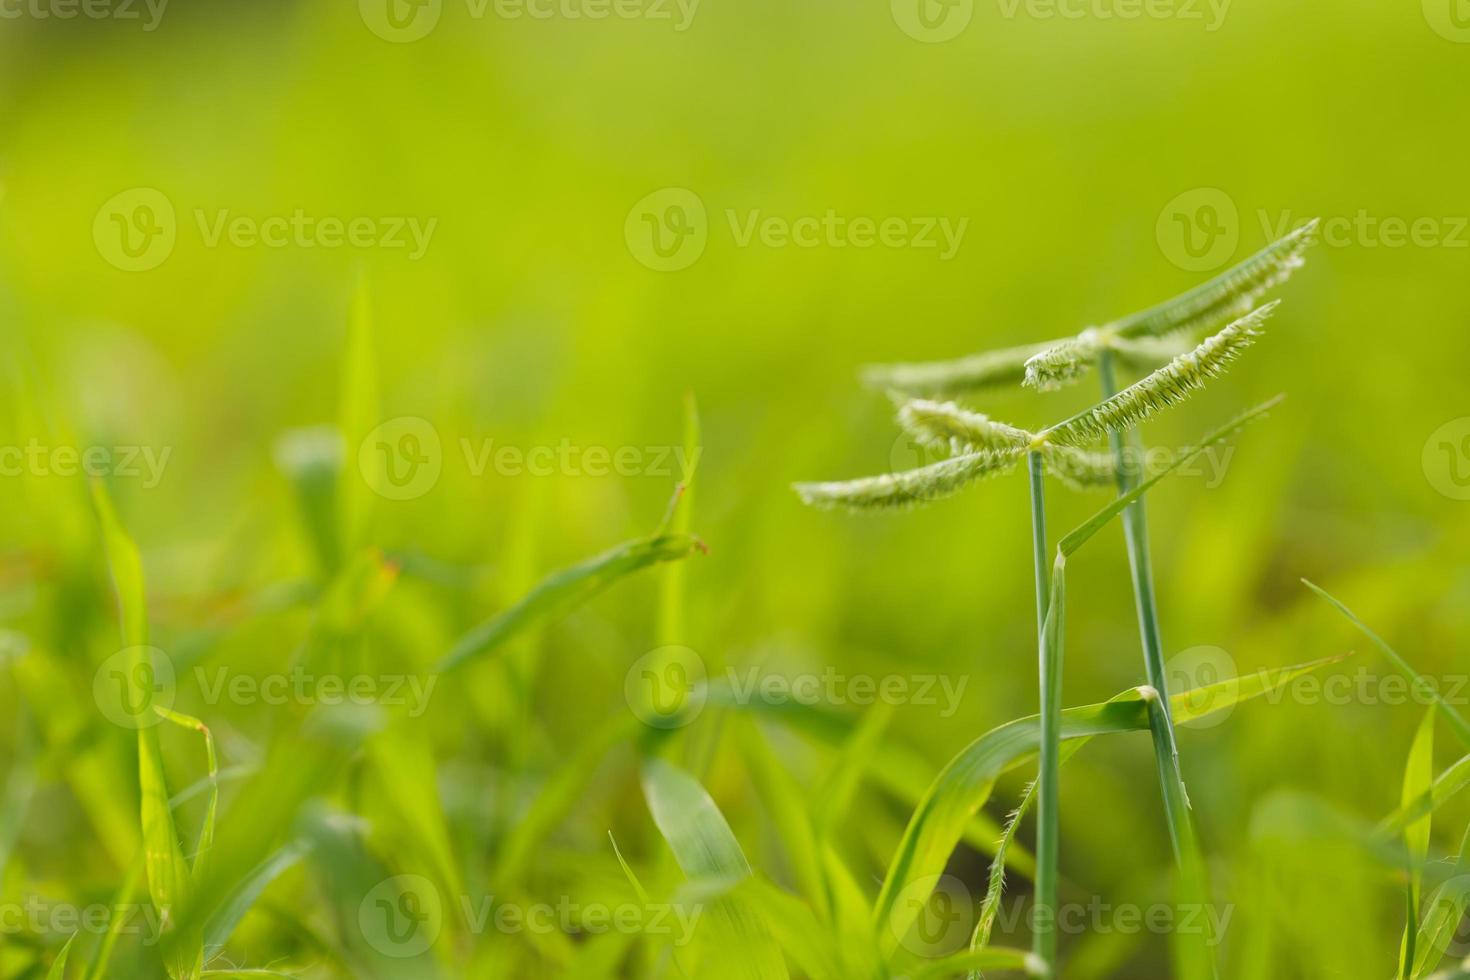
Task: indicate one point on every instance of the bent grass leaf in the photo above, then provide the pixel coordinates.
(965, 783)
(58, 966)
(708, 853)
(564, 590)
(168, 874)
(1418, 780)
(1420, 683)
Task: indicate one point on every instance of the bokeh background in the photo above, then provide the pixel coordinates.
(1100, 162)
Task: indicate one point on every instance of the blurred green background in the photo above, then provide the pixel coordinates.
(1080, 151)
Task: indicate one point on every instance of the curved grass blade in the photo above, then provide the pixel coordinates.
(1457, 721)
(1446, 785)
(1446, 911)
(58, 966)
(965, 783)
(707, 852)
(168, 874)
(563, 591)
(1418, 780)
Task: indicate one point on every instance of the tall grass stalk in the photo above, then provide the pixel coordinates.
(1135, 531)
(1049, 672)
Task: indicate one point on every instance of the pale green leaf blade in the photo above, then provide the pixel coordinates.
(564, 590)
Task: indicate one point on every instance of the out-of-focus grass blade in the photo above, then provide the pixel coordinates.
(58, 966)
(788, 809)
(835, 795)
(403, 764)
(312, 459)
(965, 783)
(245, 895)
(989, 958)
(206, 828)
(1446, 910)
(1446, 785)
(796, 928)
(357, 414)
(671, 587)
(707, 851)
(1457, 721)
(168, 874)
(564, 590)
(1418, 779)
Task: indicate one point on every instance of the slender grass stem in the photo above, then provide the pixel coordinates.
(1135, 530)
(1049, 670)
(1196, 958)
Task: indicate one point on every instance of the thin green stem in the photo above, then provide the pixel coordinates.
(1135, 530)
(1049, 670)
(1196, 953)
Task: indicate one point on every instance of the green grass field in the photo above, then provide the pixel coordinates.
(401, 574)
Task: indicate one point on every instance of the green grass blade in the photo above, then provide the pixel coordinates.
(358, 414)
(206, 827)
(1418, 780)
(1084, 532)
(1457, 721)
(989, 958)
(168, 873)
(965, 783)
(707, 852)
(1446, 785)
(564, 590)
(58, 966)
(1446, 910)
